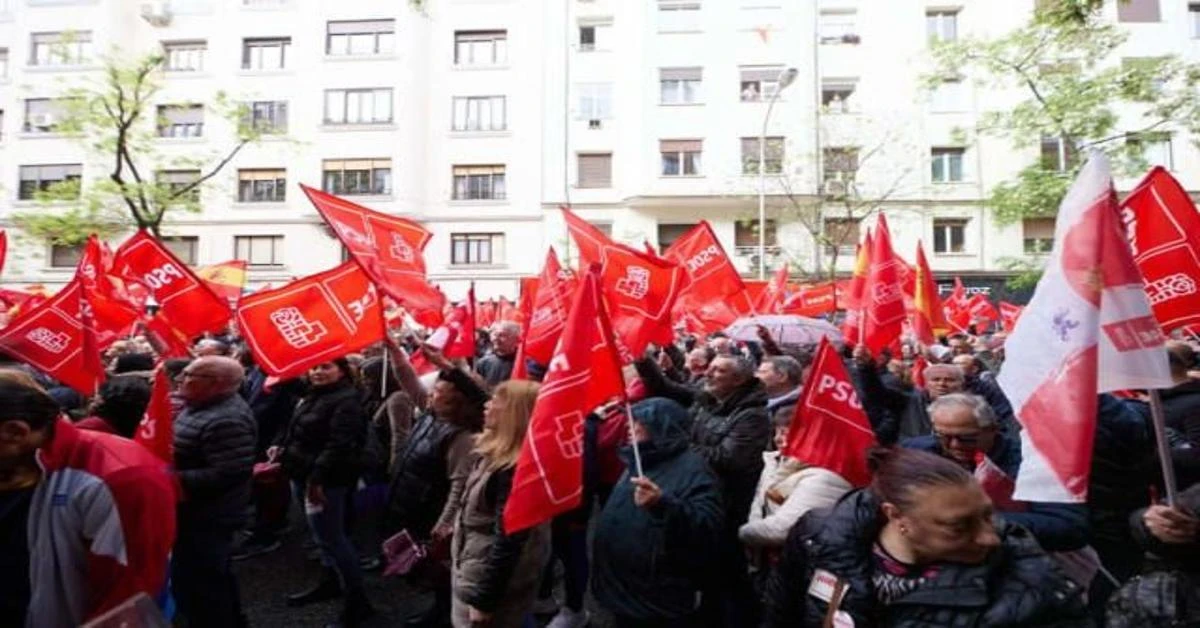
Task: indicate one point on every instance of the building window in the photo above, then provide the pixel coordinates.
(262, 185)
(669, 233)
(360, 37)
(594, 37)
(680, 158)
(269, 117)
(1138, 11)
(480, 113)
(745, 234)
(357, 176)
(259, 250)
(941, 25)
(773, 164)
(475, 249)
(1038, 235)
(480, 47)
(1058, 155)
(184, 56)
(836, 94)
(838, 26)
(1194, 19)
(679, 86)
(56, 179)
(839, 164)
(946, 164)
(1154, 149)
(595, 101)
(676, 16)
(949, 235)
(479, 183)
(265, 54)
(595, 170)
(841, 235)
(183, 247)
(358, 106)
(759, 82)
(180, 120)
(62, 48)
(3, 63)
(177, 180)
(42, 115)
(65, 255)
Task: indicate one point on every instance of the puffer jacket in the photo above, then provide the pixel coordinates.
(1018, 586)
(214, 456)
(650, 563)
(731, 435)
(323, 441)
(801, 488)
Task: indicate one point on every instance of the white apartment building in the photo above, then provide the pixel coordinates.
(480, 118)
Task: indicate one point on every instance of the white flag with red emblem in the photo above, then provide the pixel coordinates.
(1087, 330)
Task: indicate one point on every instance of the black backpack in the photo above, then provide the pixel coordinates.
(1160, 598)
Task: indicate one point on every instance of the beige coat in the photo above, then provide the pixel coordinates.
(786, 490)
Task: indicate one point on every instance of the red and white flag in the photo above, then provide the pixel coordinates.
(311, 320)
(584, 373)
(1088, 329)
(1163, 229)
(1009, 314)
(53, 339)
(812, 299)
(983, 313)
(883, 292)
(185, 302)
(548, 310)
(772, 299)
(156, 431)
(831, 429)
(713, 281)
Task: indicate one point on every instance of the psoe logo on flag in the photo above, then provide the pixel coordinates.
(352, 234)
(400, 249)
(568, 434)
(1170, 287)
(886, 293)
(1134, 333)
(296, 330)
(52, 341)
(635, 284)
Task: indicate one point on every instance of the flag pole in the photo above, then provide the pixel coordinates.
(387, 357)
(637, 455)
(1158, 417)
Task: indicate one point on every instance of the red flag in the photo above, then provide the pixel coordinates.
(712, 278)
(105, 314)
(771, 300)
(506, 311)
(184, 300)
(812, 299)
(389, 249)
(460, 341)
(640, 290)
(882, 295)
(1009, 314)
(1163, 229)
(485, 313)
(51, 338)
(583, 374)
(312, 320)
(227, 279)
(982, 312)
(3, 248)
(548, 316)
(853, 302)
(928, 320)
(919, 365)
(156, 431)
(830, 429)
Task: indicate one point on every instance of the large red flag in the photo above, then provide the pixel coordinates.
(556, 288)
(312, 320)
(712, 278)
(184, 300)
(584, 373)
(882, 296)
(52, 338)
(1009, 314)
(830, 429)
(1088, 329)
(105, 313)
(389, 249)
(771, 300)
(640, 290)
(156, 431)
(1163, 229)
(928, 319)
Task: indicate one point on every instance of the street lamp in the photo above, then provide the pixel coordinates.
(786, 77)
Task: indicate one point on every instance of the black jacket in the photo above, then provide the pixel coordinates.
(272, 408)
(731, 434)
(1019, 585)
(324, 440)
(214, 456)
(421, 483)
(1181, 405)
(495, 369)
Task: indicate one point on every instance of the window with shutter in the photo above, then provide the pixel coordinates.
(595, 170)
(1038, 235)
(680, 157)
(1138, 11)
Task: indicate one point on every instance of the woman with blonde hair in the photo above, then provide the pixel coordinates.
(495, 575)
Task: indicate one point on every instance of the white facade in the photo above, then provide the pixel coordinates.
(604, 84)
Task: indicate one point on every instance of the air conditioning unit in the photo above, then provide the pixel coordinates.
(157, 12)
(594, 124)
(42, 121)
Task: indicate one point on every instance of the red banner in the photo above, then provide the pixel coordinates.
(812, 299)
(584, 373)
(311, 321)
(184, 300)
(389, 249)
(1163, 229)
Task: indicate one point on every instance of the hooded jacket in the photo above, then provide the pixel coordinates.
(731, 435)
(650, 563)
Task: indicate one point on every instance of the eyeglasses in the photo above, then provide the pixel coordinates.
(966, 440)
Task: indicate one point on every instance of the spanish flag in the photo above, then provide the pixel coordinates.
(928, 319)
(227, 279)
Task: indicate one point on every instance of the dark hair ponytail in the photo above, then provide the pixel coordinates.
(898, 471)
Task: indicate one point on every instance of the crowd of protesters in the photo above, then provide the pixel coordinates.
(718, 529)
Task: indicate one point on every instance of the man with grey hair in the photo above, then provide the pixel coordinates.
(902, 413)
(497, 365)
(781, 376)
(215, 436)
(965, 429)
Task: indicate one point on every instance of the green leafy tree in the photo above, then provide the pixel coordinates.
(115, 116)
(1073, 89)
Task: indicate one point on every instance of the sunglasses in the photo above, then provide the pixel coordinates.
(966, 440)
